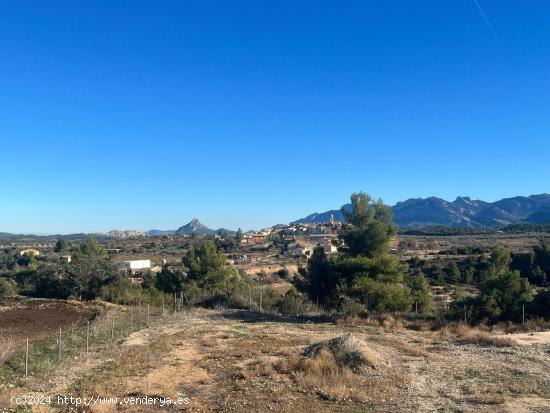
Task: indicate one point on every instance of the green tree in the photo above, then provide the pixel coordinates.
(542, 258)
(503, 295)
(380, 296)
(208, 269)
(420, 293)
(369, 227)
(501, 299)
(540, 306)
(60, 245)
(85, 277)
(91, 248)
(319, 280)
(239, 236)
(468, 275)
(500, 260)
(453, 273)
(171, 279)
(385, 268)
(7, 287)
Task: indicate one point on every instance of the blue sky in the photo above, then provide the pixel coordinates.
(139, 114)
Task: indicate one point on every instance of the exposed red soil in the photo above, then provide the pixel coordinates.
(40, 319)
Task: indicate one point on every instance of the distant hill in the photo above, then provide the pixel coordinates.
(192, 227)
(540, 217)
(462, 212)
(195, 227)
(6, 236)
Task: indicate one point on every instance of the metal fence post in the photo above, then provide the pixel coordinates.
(87, 337)
(27, 358)
(59, 346)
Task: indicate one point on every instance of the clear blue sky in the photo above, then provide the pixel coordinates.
(142, 114)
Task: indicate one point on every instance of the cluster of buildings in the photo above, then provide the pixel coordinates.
(122, 234)
(297, 240)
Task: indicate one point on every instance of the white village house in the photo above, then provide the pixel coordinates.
(134, 265)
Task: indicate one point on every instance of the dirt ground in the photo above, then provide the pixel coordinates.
(537, 337)
(38, 319)
(220, 361)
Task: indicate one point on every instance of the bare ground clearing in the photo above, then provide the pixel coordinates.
(238, 361)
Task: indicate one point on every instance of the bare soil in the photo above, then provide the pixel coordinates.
(39, 319)
(245, 362)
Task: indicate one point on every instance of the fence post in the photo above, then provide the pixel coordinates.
(131, 319)
(87, 337)
(148, 316)
(27, 358)
(261, 297)
(59, 346)
(523, 314)
(113, 330)
(162, 305)
(416, 307)
(175, 309)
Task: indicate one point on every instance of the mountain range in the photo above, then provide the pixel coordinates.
(462, 212)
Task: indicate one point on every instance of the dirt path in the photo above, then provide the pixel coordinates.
(524, 339)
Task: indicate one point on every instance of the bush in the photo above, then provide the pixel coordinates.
(382, 297)
(540, 306)
(294, 304)
(7, 348)
(348, 351)
(7, 287)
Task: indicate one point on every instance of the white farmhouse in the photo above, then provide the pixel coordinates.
(134, 265)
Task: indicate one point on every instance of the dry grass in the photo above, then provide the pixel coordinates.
(7, 348)
(387, 321)
(529, 326)
(414, 351)
(466, 334)
(327, 377)
(489, 398)
(333, 369)
(348, 351)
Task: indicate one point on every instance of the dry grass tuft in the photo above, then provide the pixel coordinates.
(350, 320)
(489, 398)
(482, 338)
(415, 351)
(463, 333)
(348, 351)
(327, 377)
(7, 348)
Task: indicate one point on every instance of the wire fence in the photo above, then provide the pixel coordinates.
(31, 357)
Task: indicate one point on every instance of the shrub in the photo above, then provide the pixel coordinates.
(294, 304)
(7, 287)
(7, 348)
(381, 296)
(348, 351)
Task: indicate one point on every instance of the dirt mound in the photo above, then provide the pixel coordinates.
(348, 351)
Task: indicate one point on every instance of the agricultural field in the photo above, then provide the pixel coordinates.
(38, 319)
